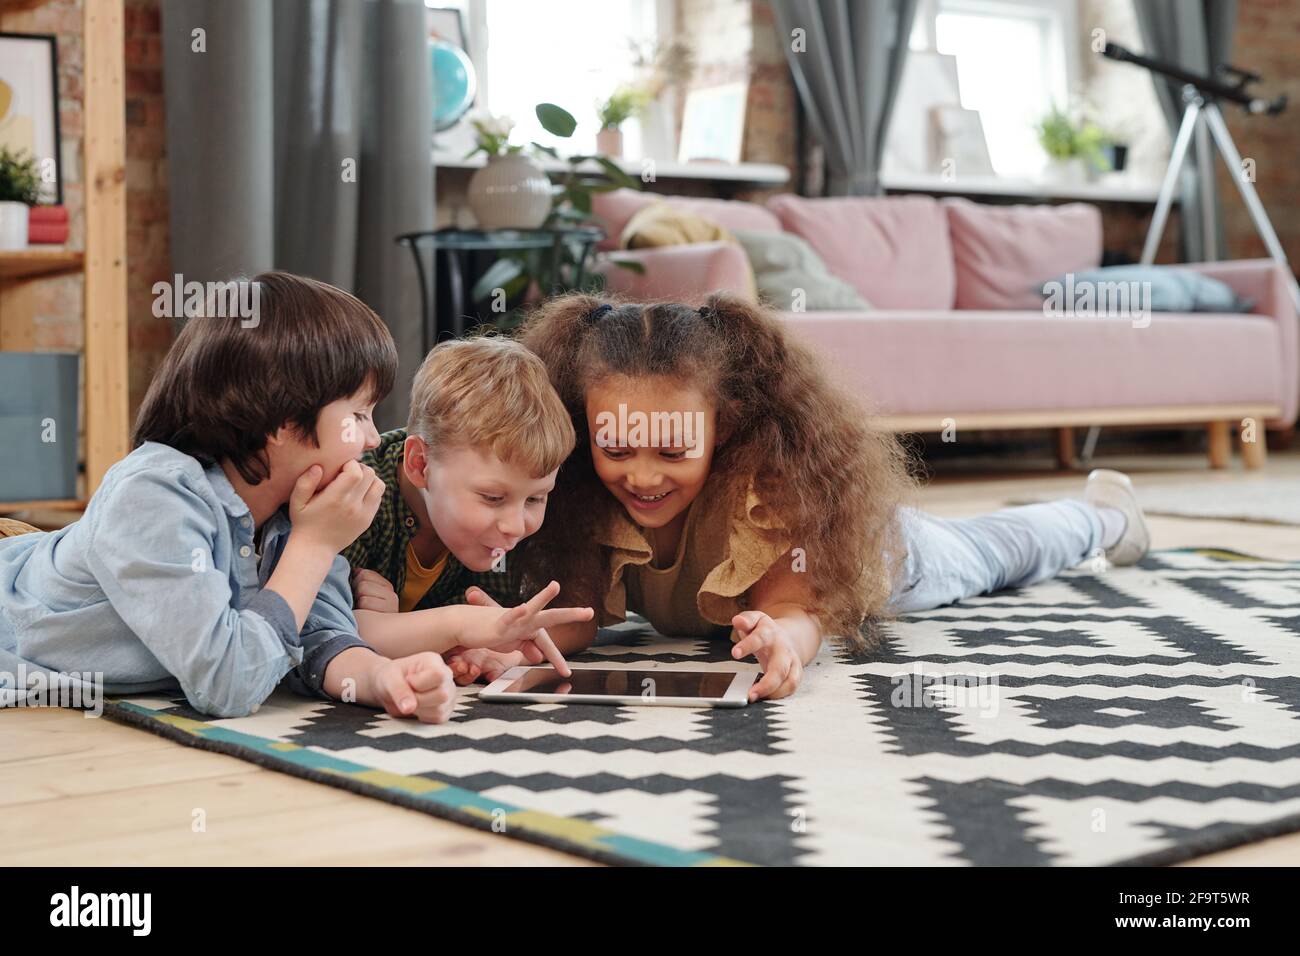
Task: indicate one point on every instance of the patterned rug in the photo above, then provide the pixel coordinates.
(1137, 715)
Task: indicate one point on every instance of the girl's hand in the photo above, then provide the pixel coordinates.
(764, 637)
(418, 686)
(469, 664)
(372, 592)
(337, 515)
(523, 628)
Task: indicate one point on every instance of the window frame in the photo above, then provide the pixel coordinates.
(476, 18)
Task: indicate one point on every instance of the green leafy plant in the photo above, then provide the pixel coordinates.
(1062, 138)
(621, 105)
(19, 180)
(571, 207)
(657, 65)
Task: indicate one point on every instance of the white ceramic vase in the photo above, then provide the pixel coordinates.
(13, 225)
(510, 192)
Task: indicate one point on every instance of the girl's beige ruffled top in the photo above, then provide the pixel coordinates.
(730, 541)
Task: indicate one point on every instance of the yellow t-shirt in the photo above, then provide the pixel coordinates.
(419, 578)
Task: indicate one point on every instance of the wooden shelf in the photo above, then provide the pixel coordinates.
(8, 6)
(33, 263)
(103, 263)
(760, 174)
(49, 504)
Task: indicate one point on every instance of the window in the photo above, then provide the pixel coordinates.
(1011, 67)
(570, 54)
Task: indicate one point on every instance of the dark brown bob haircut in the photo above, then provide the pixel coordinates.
(227, 384)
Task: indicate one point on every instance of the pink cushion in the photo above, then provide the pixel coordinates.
(954, 363)
(680, 273)
(1004, 254)
(613, 210)
(893, 250)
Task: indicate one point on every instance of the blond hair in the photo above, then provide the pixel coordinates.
(491, 393)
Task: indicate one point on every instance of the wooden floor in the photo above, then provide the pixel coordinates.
(81, 791)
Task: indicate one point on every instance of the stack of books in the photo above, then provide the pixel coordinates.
(47, 225)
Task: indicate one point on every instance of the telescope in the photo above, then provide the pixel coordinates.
(1203, 122)
(1211, 88)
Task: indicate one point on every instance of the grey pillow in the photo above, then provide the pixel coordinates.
(783, 262)
(1172, 289)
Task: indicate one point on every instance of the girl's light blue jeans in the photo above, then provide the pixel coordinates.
(953, 558)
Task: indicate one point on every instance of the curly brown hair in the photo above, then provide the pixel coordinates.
(835, 482)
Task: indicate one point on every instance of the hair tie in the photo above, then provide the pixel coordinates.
(595, 314)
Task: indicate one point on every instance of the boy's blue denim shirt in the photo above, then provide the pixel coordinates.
(158, 584)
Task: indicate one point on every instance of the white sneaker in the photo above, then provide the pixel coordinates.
(1113, 489)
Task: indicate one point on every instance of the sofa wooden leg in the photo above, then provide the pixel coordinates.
(1254, 453)
(1220, 444)
(1065, 457)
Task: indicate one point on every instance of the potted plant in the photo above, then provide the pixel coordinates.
(20, 189)
(537, 272)
(1115, 143)
(625, 102)
(512, 191)
(1074, 148)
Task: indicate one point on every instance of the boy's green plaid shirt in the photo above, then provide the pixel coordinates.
(383, 546)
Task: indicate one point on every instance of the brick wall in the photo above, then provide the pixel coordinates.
(58, 316)
(148, 233)
(1267, 42)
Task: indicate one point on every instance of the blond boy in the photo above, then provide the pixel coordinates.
(465, 482)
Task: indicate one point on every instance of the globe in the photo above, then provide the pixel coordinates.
(454, 83)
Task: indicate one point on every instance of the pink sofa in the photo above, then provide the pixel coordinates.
(957, 336)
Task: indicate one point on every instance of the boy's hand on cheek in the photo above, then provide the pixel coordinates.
(335, 516)
(758, 634)
(418, 686)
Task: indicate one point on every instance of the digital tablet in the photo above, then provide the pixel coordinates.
(647, 685)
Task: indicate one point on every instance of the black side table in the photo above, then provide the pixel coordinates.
(458, 242)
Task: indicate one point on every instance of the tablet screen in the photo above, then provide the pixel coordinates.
(706, 685)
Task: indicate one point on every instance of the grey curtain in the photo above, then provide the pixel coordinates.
(1197, 35)
(847, 79)
(265, 122)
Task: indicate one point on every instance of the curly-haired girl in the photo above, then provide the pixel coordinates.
(721, 481)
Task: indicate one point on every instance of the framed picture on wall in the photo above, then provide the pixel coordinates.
(29, 105)
(957, 143)
(929, 80)
(713, 125)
